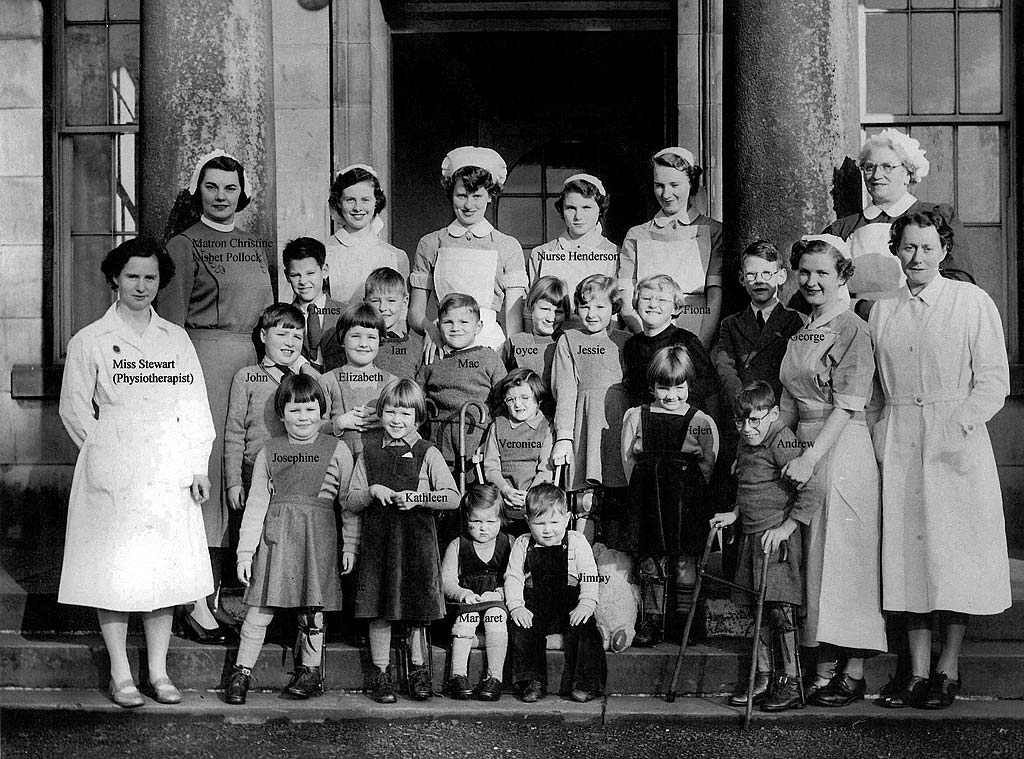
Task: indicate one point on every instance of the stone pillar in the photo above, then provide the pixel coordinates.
(207, 82)
(793, 123)
(361, 42)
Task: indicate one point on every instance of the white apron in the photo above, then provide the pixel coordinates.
(686, 259)
(471, 271)
(877, 271)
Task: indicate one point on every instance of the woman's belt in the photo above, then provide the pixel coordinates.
(817, 413)
(926, 399)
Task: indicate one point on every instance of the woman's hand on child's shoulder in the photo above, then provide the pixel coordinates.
(523, 617)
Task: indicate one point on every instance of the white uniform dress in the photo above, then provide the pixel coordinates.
(135, 538)
(943, 368)
(351, 259)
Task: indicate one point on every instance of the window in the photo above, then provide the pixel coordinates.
(96, 122)
(941, 70)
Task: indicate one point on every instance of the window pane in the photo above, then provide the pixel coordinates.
(557, 176)
(124, 74)
(125, 210)
(978, 173)
(989, 263)
(937, 141)
(556, 224)
(86, 74)
(981, 3)
(888, 4)
(83, 10)
(90, 293)
(90, 184)
(521, 218)
(934, 90)
(525, 177)
(886, 57)
(980, 63)
(124, 10)
(931, 3)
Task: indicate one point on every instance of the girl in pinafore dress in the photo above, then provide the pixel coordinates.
(473, 574)
(517, 447)
(224, 281)
(356, 248)
(470, 256)
(589, 395)
(290, 526)
(679, 241)
(399, 481)
(584, 250)
(669, 449)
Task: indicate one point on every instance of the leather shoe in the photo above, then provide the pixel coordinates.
(489, 689)
(581, 696)
(125, 694)
(238, 685)
(648, 632)
(841, 690)
(420, 687)
(188, 628)
(785, 695)
(305, 683)
(164, 691)
(739, 698)
(531, 692)
(942, 691)
(913, 692)
(459, 688)
(382, 687)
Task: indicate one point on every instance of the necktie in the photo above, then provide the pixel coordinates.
(313, 333)
(760, 320)
(284, 369)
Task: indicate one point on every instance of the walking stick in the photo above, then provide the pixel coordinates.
(670, 696)
(762, 591)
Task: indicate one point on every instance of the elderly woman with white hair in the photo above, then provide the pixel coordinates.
(891, 162)
(827, 375)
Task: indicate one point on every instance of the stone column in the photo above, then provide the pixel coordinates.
(207, 82)
(793, 123)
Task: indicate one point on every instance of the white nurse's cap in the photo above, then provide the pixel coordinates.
(836, 242)
(468, 155)
(678, 152)
(587, 178)
(193, 182)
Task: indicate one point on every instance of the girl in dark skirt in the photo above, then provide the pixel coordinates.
(290, 526)
(472, 574)
(668, 452)
(399, 482)
(772, 510)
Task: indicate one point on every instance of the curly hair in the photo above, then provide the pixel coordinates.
(921, 219)
(906, 147)
(587, 190)
(801, 248)
(473, 178)
(351, 177)
(137, 247)
(678, 163)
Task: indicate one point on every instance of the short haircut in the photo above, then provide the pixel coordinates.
(481, 497)
(757, 396)
(661, 283)
(921, 219)
(473, 178)
(764, 249)
(458, 300)
(671, 366)
(385, 280)
(299, 388)
(545, 498)
(360, 315)
(844, 266)
(351, 177)
(679, 163)
(404, 393)
(515, 378)
(587, 190)
(224, 163)
(597, 284)
(551, 289)
(304, 247)
(282, 315)
(137, 247)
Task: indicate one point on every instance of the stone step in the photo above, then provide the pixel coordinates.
(989, 669)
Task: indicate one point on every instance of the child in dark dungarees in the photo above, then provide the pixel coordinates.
(551, 587)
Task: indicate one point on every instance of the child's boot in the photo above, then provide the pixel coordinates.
(761, 691)
(785, 695)
(306, 682)
(238, 685)
(382, 687)
(648, 632)
(489, 689)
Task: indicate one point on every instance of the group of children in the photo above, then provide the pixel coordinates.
(326, 430)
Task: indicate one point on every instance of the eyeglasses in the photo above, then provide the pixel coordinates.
(755, 421)
(650, 299)
(754, 276)
(886, 168)
(512, 400)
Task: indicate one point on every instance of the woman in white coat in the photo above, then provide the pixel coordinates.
(942, 364)
(134, 400)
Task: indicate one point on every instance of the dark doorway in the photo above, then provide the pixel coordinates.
(550, 102)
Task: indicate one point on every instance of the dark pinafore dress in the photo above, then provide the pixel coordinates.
(483, 576)
(669, 504)
(398, 577)
(296, 563)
